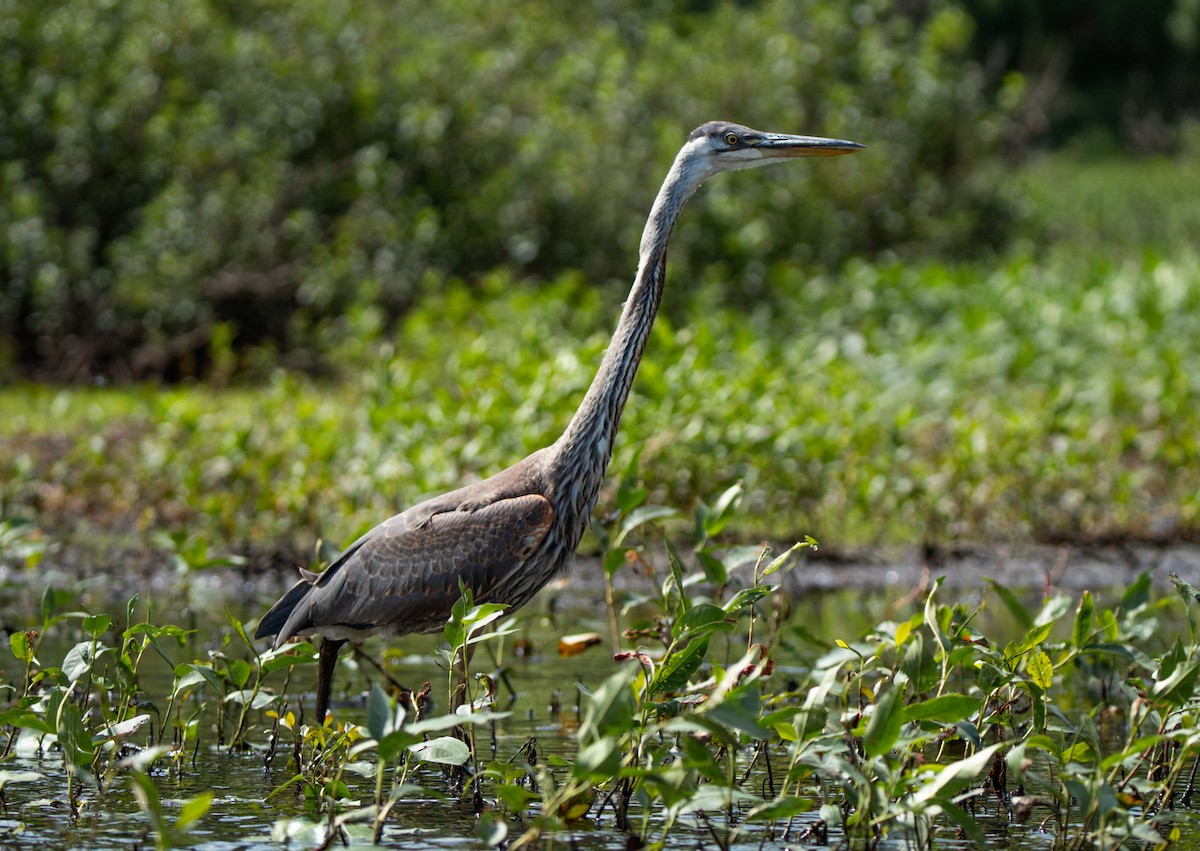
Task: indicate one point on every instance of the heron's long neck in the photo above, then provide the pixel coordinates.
(585, 448)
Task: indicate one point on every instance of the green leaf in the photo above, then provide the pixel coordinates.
(239, 671)
(1018, 611)
(747, 597)
(703, 617)
(96, 625)
(640, 517)
(1041, 670)
(392, 744)
(379, 713)
(613, 560)
(714, 569)
(609, 709)
(515, 798)
(675, 671)
(954, 778)
(1137, 594)
(1082, 630)
(677, 574)
(600, 759)
(81, 658)
(722, 511)
(883, 729)
(23, 718)
(944, 709)
(445, 751)
(781, 808)
(781, 560)
(1178, 687)
(1031, 640)
(21, 649)
(194, 809)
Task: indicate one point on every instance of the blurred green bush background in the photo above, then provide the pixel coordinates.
(246, 173)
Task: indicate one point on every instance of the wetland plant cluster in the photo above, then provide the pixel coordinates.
(719, 714)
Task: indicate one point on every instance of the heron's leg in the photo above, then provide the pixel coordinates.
(325, 662)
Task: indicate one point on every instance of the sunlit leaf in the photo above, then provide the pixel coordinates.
(1041, 669)
(446, 750)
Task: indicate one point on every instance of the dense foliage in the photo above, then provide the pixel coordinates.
(720, 721)
(242, 174)
(890, 404)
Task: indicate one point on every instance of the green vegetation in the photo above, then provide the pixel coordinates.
(1073, 722)
(241, 176)
(1050, 398)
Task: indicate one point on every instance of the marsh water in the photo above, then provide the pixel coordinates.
(538, 689)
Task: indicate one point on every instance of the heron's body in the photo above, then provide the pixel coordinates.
(508, 535)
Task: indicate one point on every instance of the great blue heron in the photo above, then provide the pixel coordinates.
(507, 536)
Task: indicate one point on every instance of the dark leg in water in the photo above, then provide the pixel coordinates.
(325, 663)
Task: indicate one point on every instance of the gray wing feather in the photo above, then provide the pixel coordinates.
(404, 573)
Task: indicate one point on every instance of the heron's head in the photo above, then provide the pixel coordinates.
(723, 146)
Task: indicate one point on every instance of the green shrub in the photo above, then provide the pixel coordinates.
(264, 167)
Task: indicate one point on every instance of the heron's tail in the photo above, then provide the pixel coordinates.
(274, 620)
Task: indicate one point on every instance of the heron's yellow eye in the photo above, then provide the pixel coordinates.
(731, 139)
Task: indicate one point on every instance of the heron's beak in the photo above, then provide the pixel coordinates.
(781, 145)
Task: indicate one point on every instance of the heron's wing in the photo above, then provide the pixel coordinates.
(405, 575)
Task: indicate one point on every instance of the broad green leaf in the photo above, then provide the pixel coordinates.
(675, 671)
(445, 751)
(239, 671)
(1041, 669)
(883, 728)
(380, 713)
(21, 649)
(1032, 639)
(609, 709)
(23, 718)
(703, 616)
(601, 759)
(781, 808)
(1180, 686)
(1137, 594)
(81, 658)
(953, 778)
(96, 625)
(944, 709)
(393, 743)
(613, 560)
